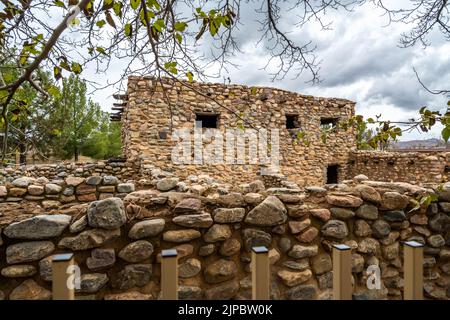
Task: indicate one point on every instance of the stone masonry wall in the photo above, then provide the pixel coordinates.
(148, 120)
(413, 167)
(117, 240)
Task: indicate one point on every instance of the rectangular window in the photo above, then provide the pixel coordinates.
(207, 120)
(292, 121)
(328, 123)
(332, 174)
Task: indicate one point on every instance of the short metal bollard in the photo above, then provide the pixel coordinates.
(413, 270)
(61, 274)
(260, 273)
(169, 274)
(342, 272)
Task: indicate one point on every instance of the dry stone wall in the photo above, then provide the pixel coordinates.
(117, 240)
(153, 111)
(414, 167)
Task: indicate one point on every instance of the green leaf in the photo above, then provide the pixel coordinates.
(117, 7)
(57, 73)
(128, 30)
(101, 50)
(135, 4)
(153, 3)
(254, 90)
(448, 103)
(179, 37)
(100, 23)
(446, 133)
(76, 68)
(59, 3)
(180, 26)
(190, 76)
(159, 25)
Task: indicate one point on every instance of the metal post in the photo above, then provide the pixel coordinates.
(169, 274)
(260, 273)
(413, 270)
(342, 272)
(61, 264)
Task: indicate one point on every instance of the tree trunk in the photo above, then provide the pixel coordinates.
(75, 153)
(23, 153)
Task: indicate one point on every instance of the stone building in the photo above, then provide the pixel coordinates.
(152, 110)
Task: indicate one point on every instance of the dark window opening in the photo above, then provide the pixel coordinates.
(332, 174)
(292, 121)
(328, 123)
(207, 120)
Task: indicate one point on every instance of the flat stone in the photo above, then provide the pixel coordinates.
(101, 259)
(357, 263)
(256, 238)
(420, 219)
(368, 246)
(30, 290)
(298, 211)
(335, 229)
(74, 181)
(167, 184)
(302, 292)
(367, 211)
(308, 235)
(146, 228)
(110, 181)
(38, 227)
(218, 232)
(225, 291)
(440, 223)
(92, 282)
(190, 268)
(325, 280)
(284, 244)
(297, 265)
(107, 214)
(23, 182)
(270, 212)
(299, 251)
(94, 180)
(321, 263)
(220, 271)
(228, 215)
(133, 295)
(230, 247)
(203, 220)
(79, 225)
(188, 205)
(433, 291)
(341, 213)
(181, 235)
(18, 271)
(393, 201)
(321, 214)
(346, 201)
(391, 251)
(3, 192)
(436, 241)
(28, 251)
(85, 189)
(231, 200)
(190, 293)
(380, 229)
(368, 193)
(51, 188)
(125, 187)
(136, 251)
(298, 226)
(294, 278)
(253, 198)
(89, 239)
(206, 250)
(394, 216)
(362, 228)
(133, 275)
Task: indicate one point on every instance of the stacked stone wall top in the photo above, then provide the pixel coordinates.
(414, 167)
(117, 241)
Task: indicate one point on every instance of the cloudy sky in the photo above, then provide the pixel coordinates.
(361, 61)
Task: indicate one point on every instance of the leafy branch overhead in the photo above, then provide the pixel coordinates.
(178, 39)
